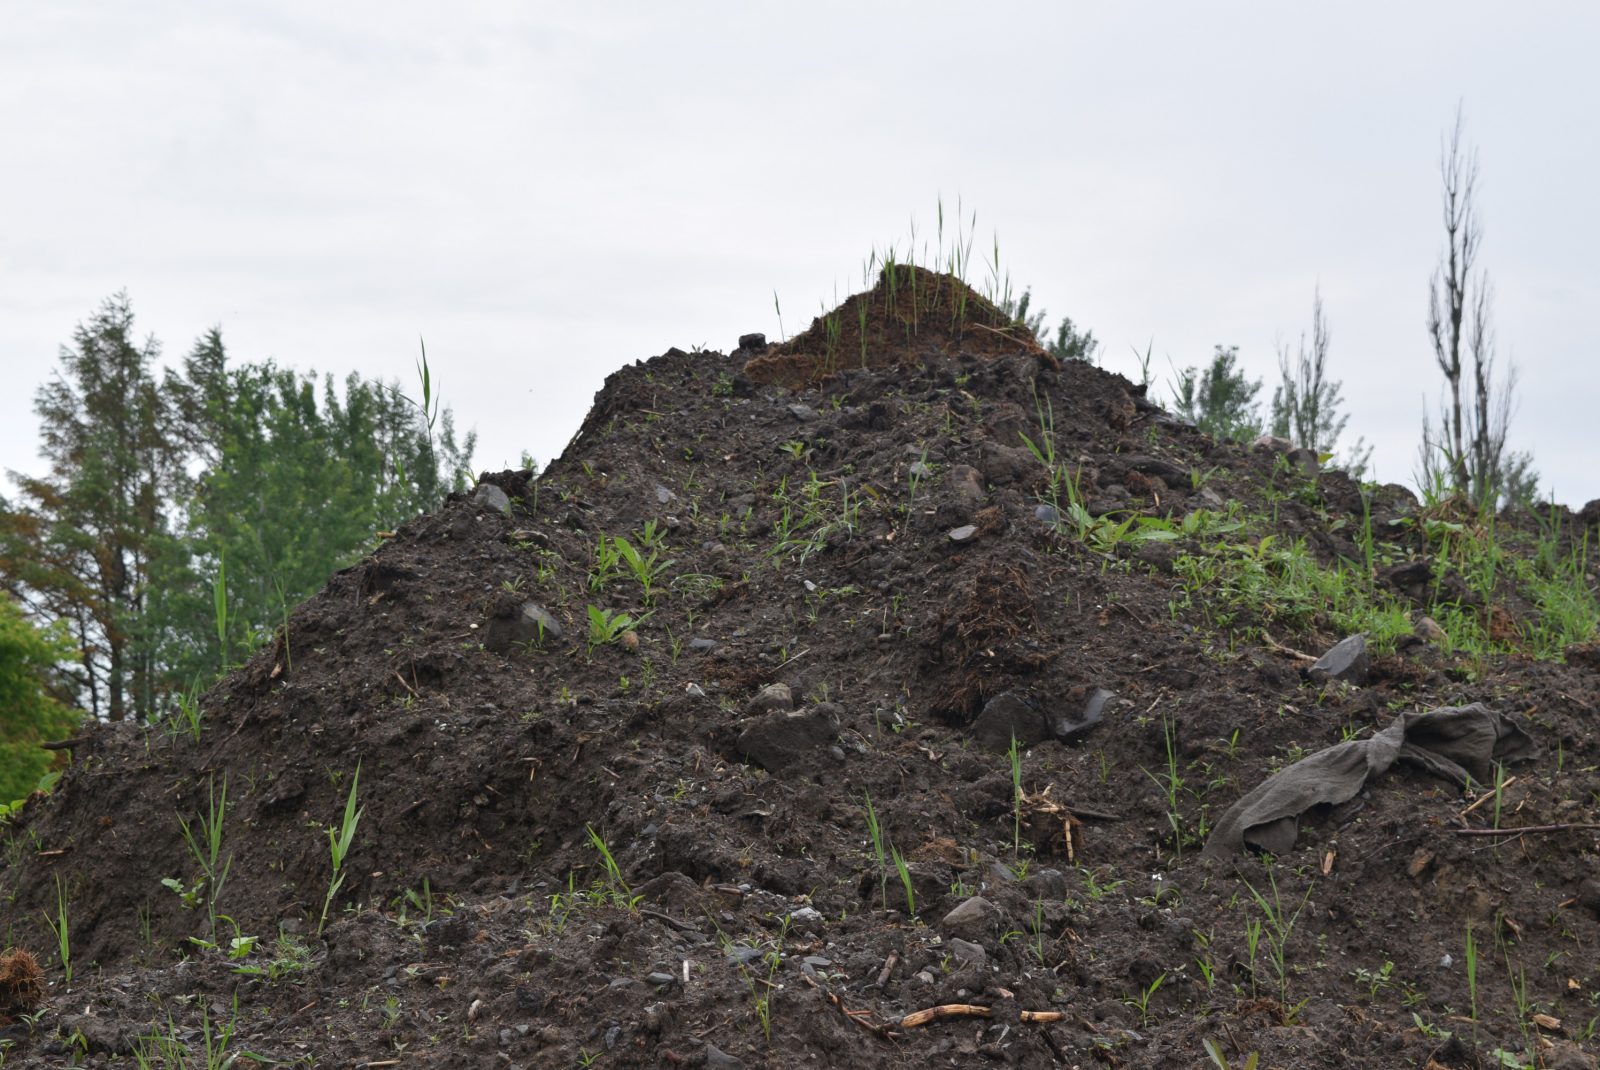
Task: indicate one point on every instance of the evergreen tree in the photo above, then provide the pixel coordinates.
(79, 544)
(1219, 400)
(260, 479)
(1067, 342)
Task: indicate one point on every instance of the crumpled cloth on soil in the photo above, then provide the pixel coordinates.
(1453, 742)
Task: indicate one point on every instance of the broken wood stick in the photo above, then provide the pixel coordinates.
(971, 1010)
(1486, 796)
(944, 1010)
(888, 968)
(1519, 830)
(882, 1032)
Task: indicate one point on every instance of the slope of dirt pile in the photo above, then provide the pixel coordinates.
(742, 790)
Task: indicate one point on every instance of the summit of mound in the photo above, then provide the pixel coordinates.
(910, 315)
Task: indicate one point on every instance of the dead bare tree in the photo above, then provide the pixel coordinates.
(1306, 402)
(1468, 454)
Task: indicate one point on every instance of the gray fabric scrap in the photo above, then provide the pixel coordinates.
(1455, 742)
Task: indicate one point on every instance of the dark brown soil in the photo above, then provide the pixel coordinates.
(807, 536)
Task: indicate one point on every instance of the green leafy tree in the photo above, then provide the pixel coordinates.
(79, 543)
(1221, 399)
(1066, 342)
(292, 482)
(30, 711)
(154, 485)
(1306, 403)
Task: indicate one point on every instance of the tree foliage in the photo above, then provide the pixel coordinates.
(1066, 342)
(1221, 399)
(182, 518)
(30, 712)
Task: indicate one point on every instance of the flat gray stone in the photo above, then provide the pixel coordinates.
(969, 952)
(963, 534)
(973, 919)
(1346, 661)
(487, 494)
(802, 412)
(1067, 729)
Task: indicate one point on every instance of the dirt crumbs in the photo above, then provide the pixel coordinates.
(878, 719)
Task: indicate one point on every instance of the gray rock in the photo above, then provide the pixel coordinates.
(613, 1035)
(664, 495)
(1346, 661)
(962, 534)
(1306, 460)
(699, 643)
(920, 470)
(820, 962)
(742, 956)
(1047, 513)
(786, 740)
(491, 496)
(717, 1059)
(1093, 712)
(752, 341)
(1046, 884)
(660, 978)
(969, 952)
(1273, 443)
(772, 698)
(1006, 716)
(528, 624)
(1210, 499)
(802, 412)
(973, 919)
(806, 916)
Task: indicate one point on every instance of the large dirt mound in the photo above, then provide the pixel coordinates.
(697, 751)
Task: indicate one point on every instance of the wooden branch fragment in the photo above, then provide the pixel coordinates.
(882, 1032)
(64, 744)
(888, 968)
(1280, 648)
(944, 1010)
(1486, 796)
(971, 1010)
(1518, 831)
(1044, 1017)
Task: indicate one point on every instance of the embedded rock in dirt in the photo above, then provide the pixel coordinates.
(975, 919)
(1346, 661)
(492, 497)
(1008, 717)
(771, 698)
(528, 624)
(786, 740)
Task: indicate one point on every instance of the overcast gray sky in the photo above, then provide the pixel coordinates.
(548, 191)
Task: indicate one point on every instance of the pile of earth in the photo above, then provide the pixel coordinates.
(698, 750)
